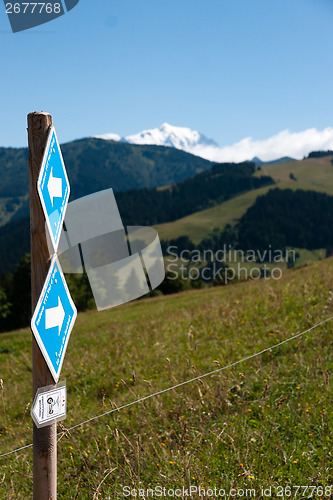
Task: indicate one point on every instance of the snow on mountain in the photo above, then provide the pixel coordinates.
(168, 135)
(182, 138)
(285, 143)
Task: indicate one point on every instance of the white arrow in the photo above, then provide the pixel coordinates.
(54, 187)
(55, 316)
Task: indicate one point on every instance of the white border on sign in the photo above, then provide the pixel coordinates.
(47, 358)
(55, 244)
(49, 388)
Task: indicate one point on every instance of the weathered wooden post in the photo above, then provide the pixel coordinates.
(45, 438)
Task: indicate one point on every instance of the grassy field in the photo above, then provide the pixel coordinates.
(315, 174)
(265, 422)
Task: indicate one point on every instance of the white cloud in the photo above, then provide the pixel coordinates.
(285, 143)
(108, 137)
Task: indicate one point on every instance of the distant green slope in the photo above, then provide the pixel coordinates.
(200, 224)
(222, 182)
(311, 174)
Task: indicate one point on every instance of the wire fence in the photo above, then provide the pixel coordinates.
(162, 391)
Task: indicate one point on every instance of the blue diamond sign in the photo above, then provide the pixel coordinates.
(54, 318)
(53, 187)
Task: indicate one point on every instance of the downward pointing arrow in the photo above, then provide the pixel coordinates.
(54, 187)
(55, 316)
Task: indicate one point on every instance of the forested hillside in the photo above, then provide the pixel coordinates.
(96, 164)
(277, 220)
(222, 182)
(288, 218)
(150, 206)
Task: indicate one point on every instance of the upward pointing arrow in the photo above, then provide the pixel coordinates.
(55, 316)
(54, 187)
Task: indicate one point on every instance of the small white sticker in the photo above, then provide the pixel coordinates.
(49, 404)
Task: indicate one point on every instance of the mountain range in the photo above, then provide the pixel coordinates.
(291, 145)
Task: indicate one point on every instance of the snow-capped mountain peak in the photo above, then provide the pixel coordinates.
(166, 135)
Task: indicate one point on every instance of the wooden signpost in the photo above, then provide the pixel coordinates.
(45, 438)
(54, 312)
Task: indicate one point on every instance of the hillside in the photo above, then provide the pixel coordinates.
(311, 174)
(96, 164)
(200, 224)
(147, 206)
(288, 218)
(222, 182)
(264, 422)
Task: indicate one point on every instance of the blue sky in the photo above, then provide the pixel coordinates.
(228, 68)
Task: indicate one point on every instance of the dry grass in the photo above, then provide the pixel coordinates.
(263, 422)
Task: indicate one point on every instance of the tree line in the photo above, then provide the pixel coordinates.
(285, 217)
(222, 182)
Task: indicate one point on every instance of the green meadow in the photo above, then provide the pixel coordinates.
(263, 422)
